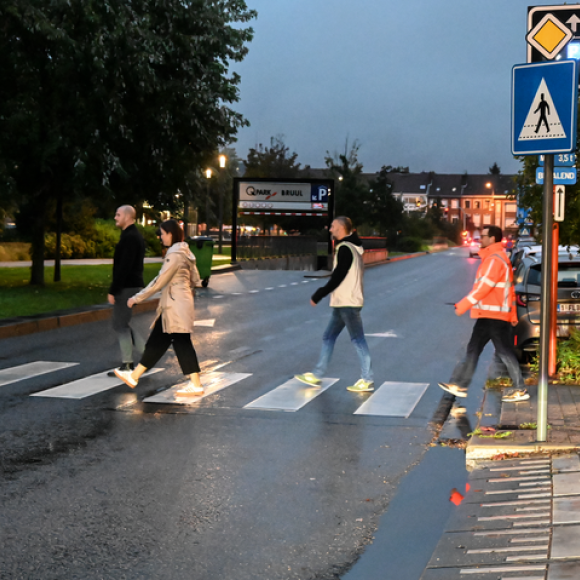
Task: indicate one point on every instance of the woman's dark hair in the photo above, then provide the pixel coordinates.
(173, 228)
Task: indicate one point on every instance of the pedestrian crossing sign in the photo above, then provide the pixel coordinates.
(544, 107)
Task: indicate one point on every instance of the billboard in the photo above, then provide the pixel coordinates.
(283, 197)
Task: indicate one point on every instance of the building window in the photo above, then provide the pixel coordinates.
(467, 204)
(454, 203)
(476, 205)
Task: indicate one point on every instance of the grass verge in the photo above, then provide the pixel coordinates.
(80, 286)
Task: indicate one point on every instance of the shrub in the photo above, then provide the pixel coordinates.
(153, 245)
(71, 246)
(106, 235)
(410, 244)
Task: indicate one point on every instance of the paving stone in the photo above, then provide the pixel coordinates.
(566, 510)
(565, 543)
(564, 571)
(466, 549)
(472, 517)
(566, 484)
(505, 572)
(564, 463)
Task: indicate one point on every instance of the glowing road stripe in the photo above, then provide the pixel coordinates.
(290, 397)
(212, 382)
(87, 386)
(29, 370)
(393, 400)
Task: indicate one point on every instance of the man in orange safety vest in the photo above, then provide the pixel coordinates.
(493, 305)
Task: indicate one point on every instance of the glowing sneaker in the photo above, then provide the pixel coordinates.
(516, 396)
(454, 389)
(362, 386)
(126, 377)
(190, 390)
(309, 379)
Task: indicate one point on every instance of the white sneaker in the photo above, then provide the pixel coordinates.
(126, 377)
(190, 390)
(453, 389)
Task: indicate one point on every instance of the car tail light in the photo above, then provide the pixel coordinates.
(524, 299)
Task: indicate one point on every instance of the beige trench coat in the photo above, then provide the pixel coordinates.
(177, 280)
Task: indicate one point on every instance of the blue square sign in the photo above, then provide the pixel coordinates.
(544, 107)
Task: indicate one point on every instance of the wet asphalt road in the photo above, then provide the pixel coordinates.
(109, 487)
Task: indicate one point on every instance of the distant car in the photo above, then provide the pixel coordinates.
(527, 285)
(474, 247)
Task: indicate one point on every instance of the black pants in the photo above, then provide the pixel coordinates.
(500, 333)
(158, 343)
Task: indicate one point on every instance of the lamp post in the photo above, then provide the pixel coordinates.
(208, 173)
(222, 163)
(490, 185)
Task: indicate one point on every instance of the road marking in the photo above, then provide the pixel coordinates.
(29, 370)
(388, 334)
(87, 386)
(212, 382)
(393, 400)
(290, 397)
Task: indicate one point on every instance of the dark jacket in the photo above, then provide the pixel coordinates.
(344, 262)
(128, 261)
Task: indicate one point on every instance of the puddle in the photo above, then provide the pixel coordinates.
(415, 520)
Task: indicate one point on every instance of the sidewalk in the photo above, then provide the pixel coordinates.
(519, 419)
(519, 519)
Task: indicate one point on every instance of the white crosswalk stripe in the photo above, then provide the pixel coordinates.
(87, 386)
(290, 397)
(393, 400)
(29, 370)
(212, 382)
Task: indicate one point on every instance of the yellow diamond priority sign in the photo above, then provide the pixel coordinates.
(549, 36)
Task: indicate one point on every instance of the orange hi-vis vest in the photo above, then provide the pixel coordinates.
(493, 293)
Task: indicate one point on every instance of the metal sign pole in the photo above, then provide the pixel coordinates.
(546, 304)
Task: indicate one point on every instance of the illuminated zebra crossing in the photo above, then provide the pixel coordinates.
(391, 399)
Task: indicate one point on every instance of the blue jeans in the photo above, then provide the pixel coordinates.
(341, 317)
(500, 333)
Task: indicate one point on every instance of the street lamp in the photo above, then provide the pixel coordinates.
(208, 173)
(490, 185)
(222, 162)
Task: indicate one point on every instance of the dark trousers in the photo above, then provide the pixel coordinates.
(158, 343)
(500, 333)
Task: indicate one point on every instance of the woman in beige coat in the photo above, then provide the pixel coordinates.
(173, 323)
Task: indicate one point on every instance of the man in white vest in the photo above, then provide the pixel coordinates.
(346, 300)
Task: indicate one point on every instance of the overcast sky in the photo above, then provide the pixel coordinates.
(419, 83)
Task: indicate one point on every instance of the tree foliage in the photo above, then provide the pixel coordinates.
(114, 98)
(531, 195)
(274, 161)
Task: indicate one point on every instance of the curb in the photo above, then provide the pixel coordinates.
(51, 321)
(479, 451)
(32, 325)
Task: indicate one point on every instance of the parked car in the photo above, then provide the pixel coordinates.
(520, 253)
(474, 247)
(527, 285)
(525, 241)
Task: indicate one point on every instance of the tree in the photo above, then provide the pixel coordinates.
(385, 212)
(275, 161)
(114, 98)
(494, 169)
(352, 192)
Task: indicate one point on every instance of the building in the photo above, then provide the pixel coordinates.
(474, 201)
